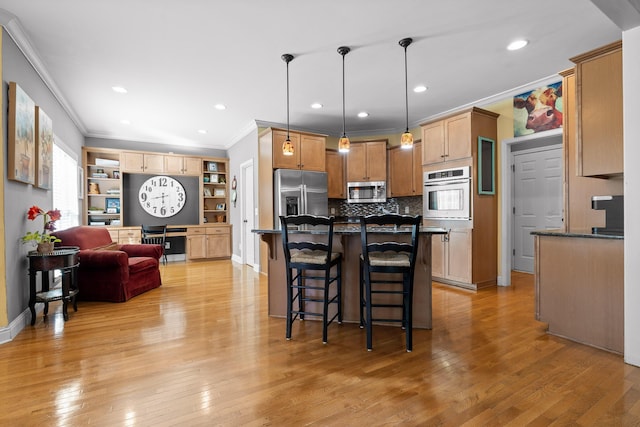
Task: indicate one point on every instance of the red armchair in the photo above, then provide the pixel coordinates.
(109, 271)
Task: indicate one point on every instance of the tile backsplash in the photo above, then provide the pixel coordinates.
(394, 204)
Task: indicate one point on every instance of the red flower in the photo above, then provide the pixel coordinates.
(34, 211)
(49, 218)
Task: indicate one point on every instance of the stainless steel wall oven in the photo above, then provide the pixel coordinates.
(447, 194)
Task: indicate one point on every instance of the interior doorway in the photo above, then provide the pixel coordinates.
(247, 213)
(537, 198)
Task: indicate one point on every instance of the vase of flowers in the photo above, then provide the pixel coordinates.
(44, 240)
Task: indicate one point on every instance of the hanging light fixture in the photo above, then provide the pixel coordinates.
(343, 143)
(287, 146)
(406, 140)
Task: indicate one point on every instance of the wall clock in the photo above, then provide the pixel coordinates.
(162, 196)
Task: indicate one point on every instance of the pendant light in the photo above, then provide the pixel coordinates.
(343, 143)
(287, 146)
(406, 140)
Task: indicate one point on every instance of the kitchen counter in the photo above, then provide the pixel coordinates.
(579, 287)
(348, 242)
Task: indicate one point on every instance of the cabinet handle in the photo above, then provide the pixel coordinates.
(442, 156)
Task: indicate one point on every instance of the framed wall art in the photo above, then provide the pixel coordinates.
(22, 136)
(44, 149)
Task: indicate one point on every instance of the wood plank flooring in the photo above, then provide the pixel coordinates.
(201, 350)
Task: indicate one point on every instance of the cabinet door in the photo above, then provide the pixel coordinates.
(459, 255)
(336, 186)
(376, 161)
(174, 165)
(357, 163)
(218, 245)
(438, 255)
(153, 163)
(417, 169)
(400, 182)
(279, 159)
(433, 143)
(192, 165)
(600, 127)
(132, 162)
(196, 247)
(312, 153)
(458, 137)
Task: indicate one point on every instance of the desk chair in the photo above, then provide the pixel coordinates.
(313, 262)
(380, 260)
(155, 235)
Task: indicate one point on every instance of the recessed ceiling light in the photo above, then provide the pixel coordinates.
(119, 89)
(363, 114)
(220, 107)
(316, 105)
(202, 131)
(125, 122)
(420, 89)
(518, 44)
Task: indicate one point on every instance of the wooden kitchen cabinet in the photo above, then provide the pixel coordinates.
(336, 183)
(454, 137)
(599, 103)
(367, 161)
(208, 242)
(136, 162)
(308, 154)
(401, 182)
(181, 165)
(451, 257)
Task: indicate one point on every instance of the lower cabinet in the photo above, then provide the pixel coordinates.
(125, 236)
(451, 257)
(208, 242)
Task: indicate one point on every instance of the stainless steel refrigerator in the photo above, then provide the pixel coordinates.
(297, 192)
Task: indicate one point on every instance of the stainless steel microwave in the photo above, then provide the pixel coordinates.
(366, 192)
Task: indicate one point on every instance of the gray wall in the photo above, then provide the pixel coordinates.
(157, 148)
(243, 150)
(18, 197)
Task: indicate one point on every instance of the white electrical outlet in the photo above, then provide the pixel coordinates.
(406, 209)
(333, 211)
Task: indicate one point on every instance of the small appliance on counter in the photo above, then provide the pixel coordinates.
(614, 214)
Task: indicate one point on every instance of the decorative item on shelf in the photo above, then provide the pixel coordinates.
(107, 162)
(221, 206)
(212, 166)
(112, 205)
(45, 240)
(343, 142)
(406, 140)
(213, 178)
(234, 193)
(219, 218)
(116, 174)
(94, 188)
(219, 192)
(205, 178)
(287, 146)
(222, 179)
(207, 192)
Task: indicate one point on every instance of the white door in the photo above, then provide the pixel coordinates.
(247, 212)
(537, 186)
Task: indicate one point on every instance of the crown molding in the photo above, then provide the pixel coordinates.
(15, 30)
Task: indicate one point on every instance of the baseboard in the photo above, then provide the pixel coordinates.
(8, 333)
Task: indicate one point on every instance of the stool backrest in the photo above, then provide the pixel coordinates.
(154, 234)
(389, 223)
(307, 224)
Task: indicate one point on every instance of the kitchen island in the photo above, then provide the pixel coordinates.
(347, 240)
(579, 287)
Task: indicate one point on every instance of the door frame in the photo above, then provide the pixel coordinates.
(245, 211)
(506, 202)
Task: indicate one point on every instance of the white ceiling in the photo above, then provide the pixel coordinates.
(179, 58)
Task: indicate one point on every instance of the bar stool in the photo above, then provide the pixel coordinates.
(155, 235)
(383, 259)
(313, 262)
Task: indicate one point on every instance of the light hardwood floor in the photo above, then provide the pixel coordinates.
(201, 350)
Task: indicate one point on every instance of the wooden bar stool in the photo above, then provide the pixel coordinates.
(380, 260)
(313, 262)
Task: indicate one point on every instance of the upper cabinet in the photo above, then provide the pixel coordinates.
(367, 161)
(136, 162)
(336, 184)
(599, 99)
(181, 165)
(455, 137)
(402, 183)
(308, 154)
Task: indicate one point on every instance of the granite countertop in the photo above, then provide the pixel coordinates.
(344, 228)
(558, 233)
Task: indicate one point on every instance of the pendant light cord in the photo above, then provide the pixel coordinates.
(406, 88)
(287, 100)
(343, 110)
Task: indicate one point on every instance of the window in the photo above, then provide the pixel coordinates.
(65, 186)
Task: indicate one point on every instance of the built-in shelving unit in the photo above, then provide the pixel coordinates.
(103, 188)
(214, 190)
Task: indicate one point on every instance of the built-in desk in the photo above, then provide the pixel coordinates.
(579, 283)
(347, 241)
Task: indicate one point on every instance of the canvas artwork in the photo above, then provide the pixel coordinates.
(22, 141)
(44, 149)
(538, 110)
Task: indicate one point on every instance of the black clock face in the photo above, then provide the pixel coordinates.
(162, 196)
